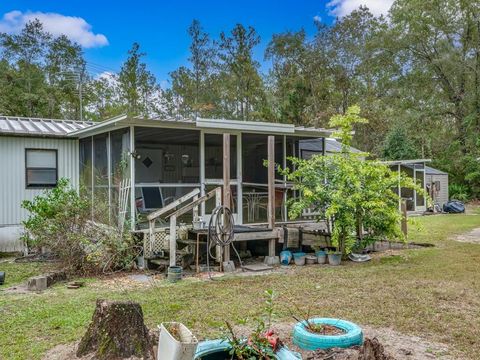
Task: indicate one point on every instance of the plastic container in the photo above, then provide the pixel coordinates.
(310, 259)
(285, 257)
(299, 258)
(182, 346)
(334, 259)
(174, 273)
(321, 256)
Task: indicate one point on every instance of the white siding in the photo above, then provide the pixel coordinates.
(12, 172)
(442, 196)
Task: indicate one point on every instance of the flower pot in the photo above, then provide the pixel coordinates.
(178, 346)
(174, 273)
(321, 257)
(285, 257)
(2, 277)
(310, 259)
(299, 258)
(335, 259)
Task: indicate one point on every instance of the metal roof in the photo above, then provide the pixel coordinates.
(406, 162)
(431, 171)
(27, 126)
(200, 123)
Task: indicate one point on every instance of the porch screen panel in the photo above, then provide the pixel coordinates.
(255, 177)
(167, 166)
(420, 179)
(406, 193)
(85, 165)
(100, 177)
(214, 156)
(119, 169)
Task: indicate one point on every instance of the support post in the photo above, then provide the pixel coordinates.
(271, 192)
(404, 218)
(132, 179)
(173, 240)
(226, 184)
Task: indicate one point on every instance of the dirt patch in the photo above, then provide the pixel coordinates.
(397, 345)
(470, 237)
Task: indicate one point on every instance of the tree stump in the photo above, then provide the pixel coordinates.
(117, 331)
(372, 349)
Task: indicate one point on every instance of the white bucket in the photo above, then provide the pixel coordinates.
(169, 348)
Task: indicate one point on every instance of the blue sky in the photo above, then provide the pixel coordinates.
(106, 29)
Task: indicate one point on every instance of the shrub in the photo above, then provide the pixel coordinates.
(61, 221)
(352, 194)
(458, 192)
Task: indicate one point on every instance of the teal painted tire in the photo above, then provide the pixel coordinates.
(309, 341)
(210, 347)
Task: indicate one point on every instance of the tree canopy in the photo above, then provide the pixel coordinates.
(415, 73)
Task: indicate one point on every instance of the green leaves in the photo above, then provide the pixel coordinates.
(349, 191)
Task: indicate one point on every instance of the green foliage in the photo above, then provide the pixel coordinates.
(398, 145)
(256, 346)
(60, 220)
(348, 191)
(458, 192)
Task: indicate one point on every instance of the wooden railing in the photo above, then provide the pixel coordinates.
(171, 212)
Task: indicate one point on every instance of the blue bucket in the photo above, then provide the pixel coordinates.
(285, 257)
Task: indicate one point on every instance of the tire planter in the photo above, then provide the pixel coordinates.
(208, 349)
(306, 340)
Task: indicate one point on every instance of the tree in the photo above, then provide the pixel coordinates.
(442, 41)
(398, 145)
(352, 194)
(138, 87)
(244, 86)
(41, 73)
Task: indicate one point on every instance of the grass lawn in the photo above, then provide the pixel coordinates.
(430, 292)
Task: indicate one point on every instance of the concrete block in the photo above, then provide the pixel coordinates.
(228, 266)
(37, 283)
(271, 260)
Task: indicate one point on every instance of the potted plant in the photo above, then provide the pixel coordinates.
(262, 343)
(321, 256)
(334, 257)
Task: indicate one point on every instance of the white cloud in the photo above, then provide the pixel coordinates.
(317, 18)
(342, 8)
(75, 28)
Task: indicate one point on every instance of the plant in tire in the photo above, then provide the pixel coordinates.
(262, 342)
(354, 195)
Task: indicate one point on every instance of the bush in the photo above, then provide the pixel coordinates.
(61, 221)
(458, 192)
(354, 195)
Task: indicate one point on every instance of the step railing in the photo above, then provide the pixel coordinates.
(172, 212)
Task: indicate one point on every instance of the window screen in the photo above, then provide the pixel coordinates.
(40, 168)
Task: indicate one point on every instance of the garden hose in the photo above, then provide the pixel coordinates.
(220, 232)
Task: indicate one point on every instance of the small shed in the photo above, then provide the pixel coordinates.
(437, 185)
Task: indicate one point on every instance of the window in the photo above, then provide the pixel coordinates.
(40, 168)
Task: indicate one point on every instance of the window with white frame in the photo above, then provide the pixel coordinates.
(41, 168)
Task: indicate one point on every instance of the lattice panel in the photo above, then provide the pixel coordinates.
(161, 242)
(157, 245)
